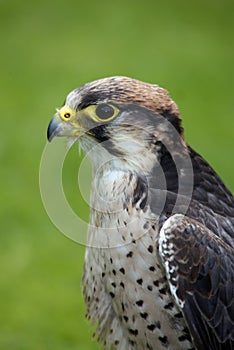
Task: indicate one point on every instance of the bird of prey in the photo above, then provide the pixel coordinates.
(159, 262)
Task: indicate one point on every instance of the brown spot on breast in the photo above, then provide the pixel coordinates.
(140, 281)
(151, 327)
(129, 255)
(144, 315)
(150, 249)
(133, 331)
(139, 302)
(163, 340)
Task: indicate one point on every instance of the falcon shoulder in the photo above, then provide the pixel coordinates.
(200, 270)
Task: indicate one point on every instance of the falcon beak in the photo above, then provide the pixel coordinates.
(52, 129)
(58, 127)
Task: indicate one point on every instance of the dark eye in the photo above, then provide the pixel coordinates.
(104, 111)
(67, 115)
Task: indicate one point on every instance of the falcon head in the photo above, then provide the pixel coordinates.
(128, 119)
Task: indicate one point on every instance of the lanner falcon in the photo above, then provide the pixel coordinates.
(159, 262)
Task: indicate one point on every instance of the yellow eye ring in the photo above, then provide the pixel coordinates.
(102, 112)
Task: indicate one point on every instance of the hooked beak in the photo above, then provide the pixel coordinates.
(58, 127)
(52, 129)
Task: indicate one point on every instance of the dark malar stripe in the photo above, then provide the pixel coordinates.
(100, 134)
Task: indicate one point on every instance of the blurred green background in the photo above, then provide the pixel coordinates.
(47, 49)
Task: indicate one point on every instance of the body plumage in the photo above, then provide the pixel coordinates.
(159, 260)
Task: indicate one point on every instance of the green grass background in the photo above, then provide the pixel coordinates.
(47, 49)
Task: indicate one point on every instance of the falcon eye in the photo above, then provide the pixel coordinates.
(67, 115)
(104, 111)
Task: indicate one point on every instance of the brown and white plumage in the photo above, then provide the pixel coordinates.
(159, 264)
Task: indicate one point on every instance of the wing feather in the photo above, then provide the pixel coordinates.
(200, 272)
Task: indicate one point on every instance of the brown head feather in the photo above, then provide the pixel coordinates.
(126, 90)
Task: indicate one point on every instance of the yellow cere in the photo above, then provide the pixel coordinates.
(66, 112)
